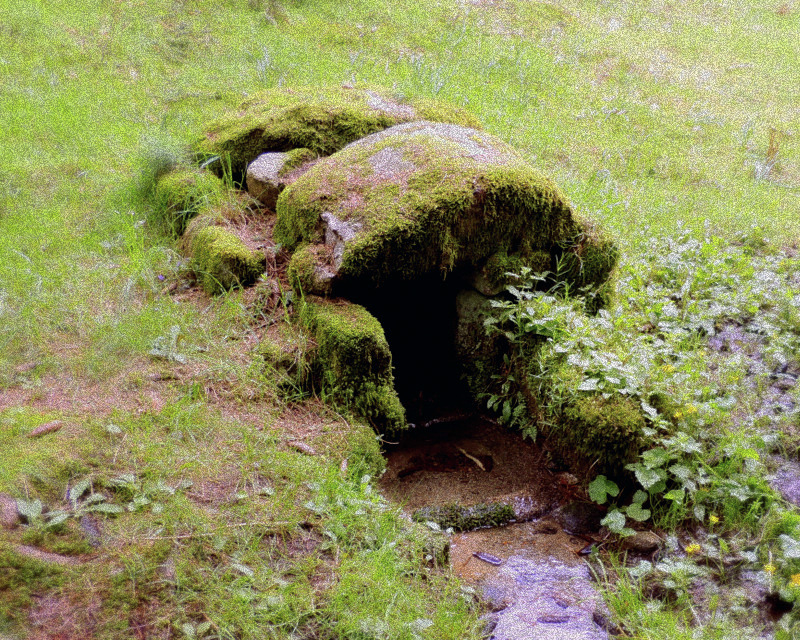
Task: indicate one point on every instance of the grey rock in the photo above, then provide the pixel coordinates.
(337, 233)
(579, 518)
(264, 182)
(786, 481)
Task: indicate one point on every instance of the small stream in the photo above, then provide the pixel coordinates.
(530, 572)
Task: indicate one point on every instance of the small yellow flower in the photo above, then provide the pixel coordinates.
(795, 579)
(713, 519)
(690, 409)
(692, 549)
(668, 368)
(678, 414)
(770, 568)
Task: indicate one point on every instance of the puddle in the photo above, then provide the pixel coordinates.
(530, 573)
(472, 461)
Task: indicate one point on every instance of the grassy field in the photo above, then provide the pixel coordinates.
(658, 120)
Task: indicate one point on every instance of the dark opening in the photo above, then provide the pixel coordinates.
(419, 320)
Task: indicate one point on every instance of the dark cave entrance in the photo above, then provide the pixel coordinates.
(419, 320)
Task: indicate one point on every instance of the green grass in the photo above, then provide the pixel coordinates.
(645, 114)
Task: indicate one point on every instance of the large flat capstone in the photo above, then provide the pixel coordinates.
(423, 197)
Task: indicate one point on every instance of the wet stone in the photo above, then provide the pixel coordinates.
(542, 590)
(579, 518)
(642, 542)
(551, 600)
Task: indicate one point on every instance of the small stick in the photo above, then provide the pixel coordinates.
(473, 458)
(48, 427)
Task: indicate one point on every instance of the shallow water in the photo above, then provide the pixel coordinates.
(530, 573)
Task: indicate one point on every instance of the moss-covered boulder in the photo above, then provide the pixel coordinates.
(322, 119)
(183, 192)
(351, 364)
(221, 260)
(480, 352)
(598, 433)
(426, 197)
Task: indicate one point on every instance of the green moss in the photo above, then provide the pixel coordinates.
(364, 452)
(68, 539)
(499, 270)
(449, 207)
(601, 434)
(206, 218)
(182, 193)
(352, 364)
(222, 261)
(587, 262)
(479, 352)
(284, 353)
(461, 518)
(301, 269)
(322, 119)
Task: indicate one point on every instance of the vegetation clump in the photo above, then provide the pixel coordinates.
(352, 364)
(182, 193)
(465, 518)
(222, 261)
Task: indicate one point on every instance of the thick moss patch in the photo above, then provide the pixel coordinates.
(182, 193)
(603, 434)
(322, 120)
(420, 198)
(222, 261)
(21, 578)
(352, 364)
(460, 518)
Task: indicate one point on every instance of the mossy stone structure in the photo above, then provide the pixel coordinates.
(421, 224)
(404, 224)
(319, 119)
(222, 261)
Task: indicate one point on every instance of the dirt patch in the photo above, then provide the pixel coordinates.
(62, 618)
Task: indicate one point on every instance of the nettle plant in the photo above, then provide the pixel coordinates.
(123, 493)
(708, 423)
